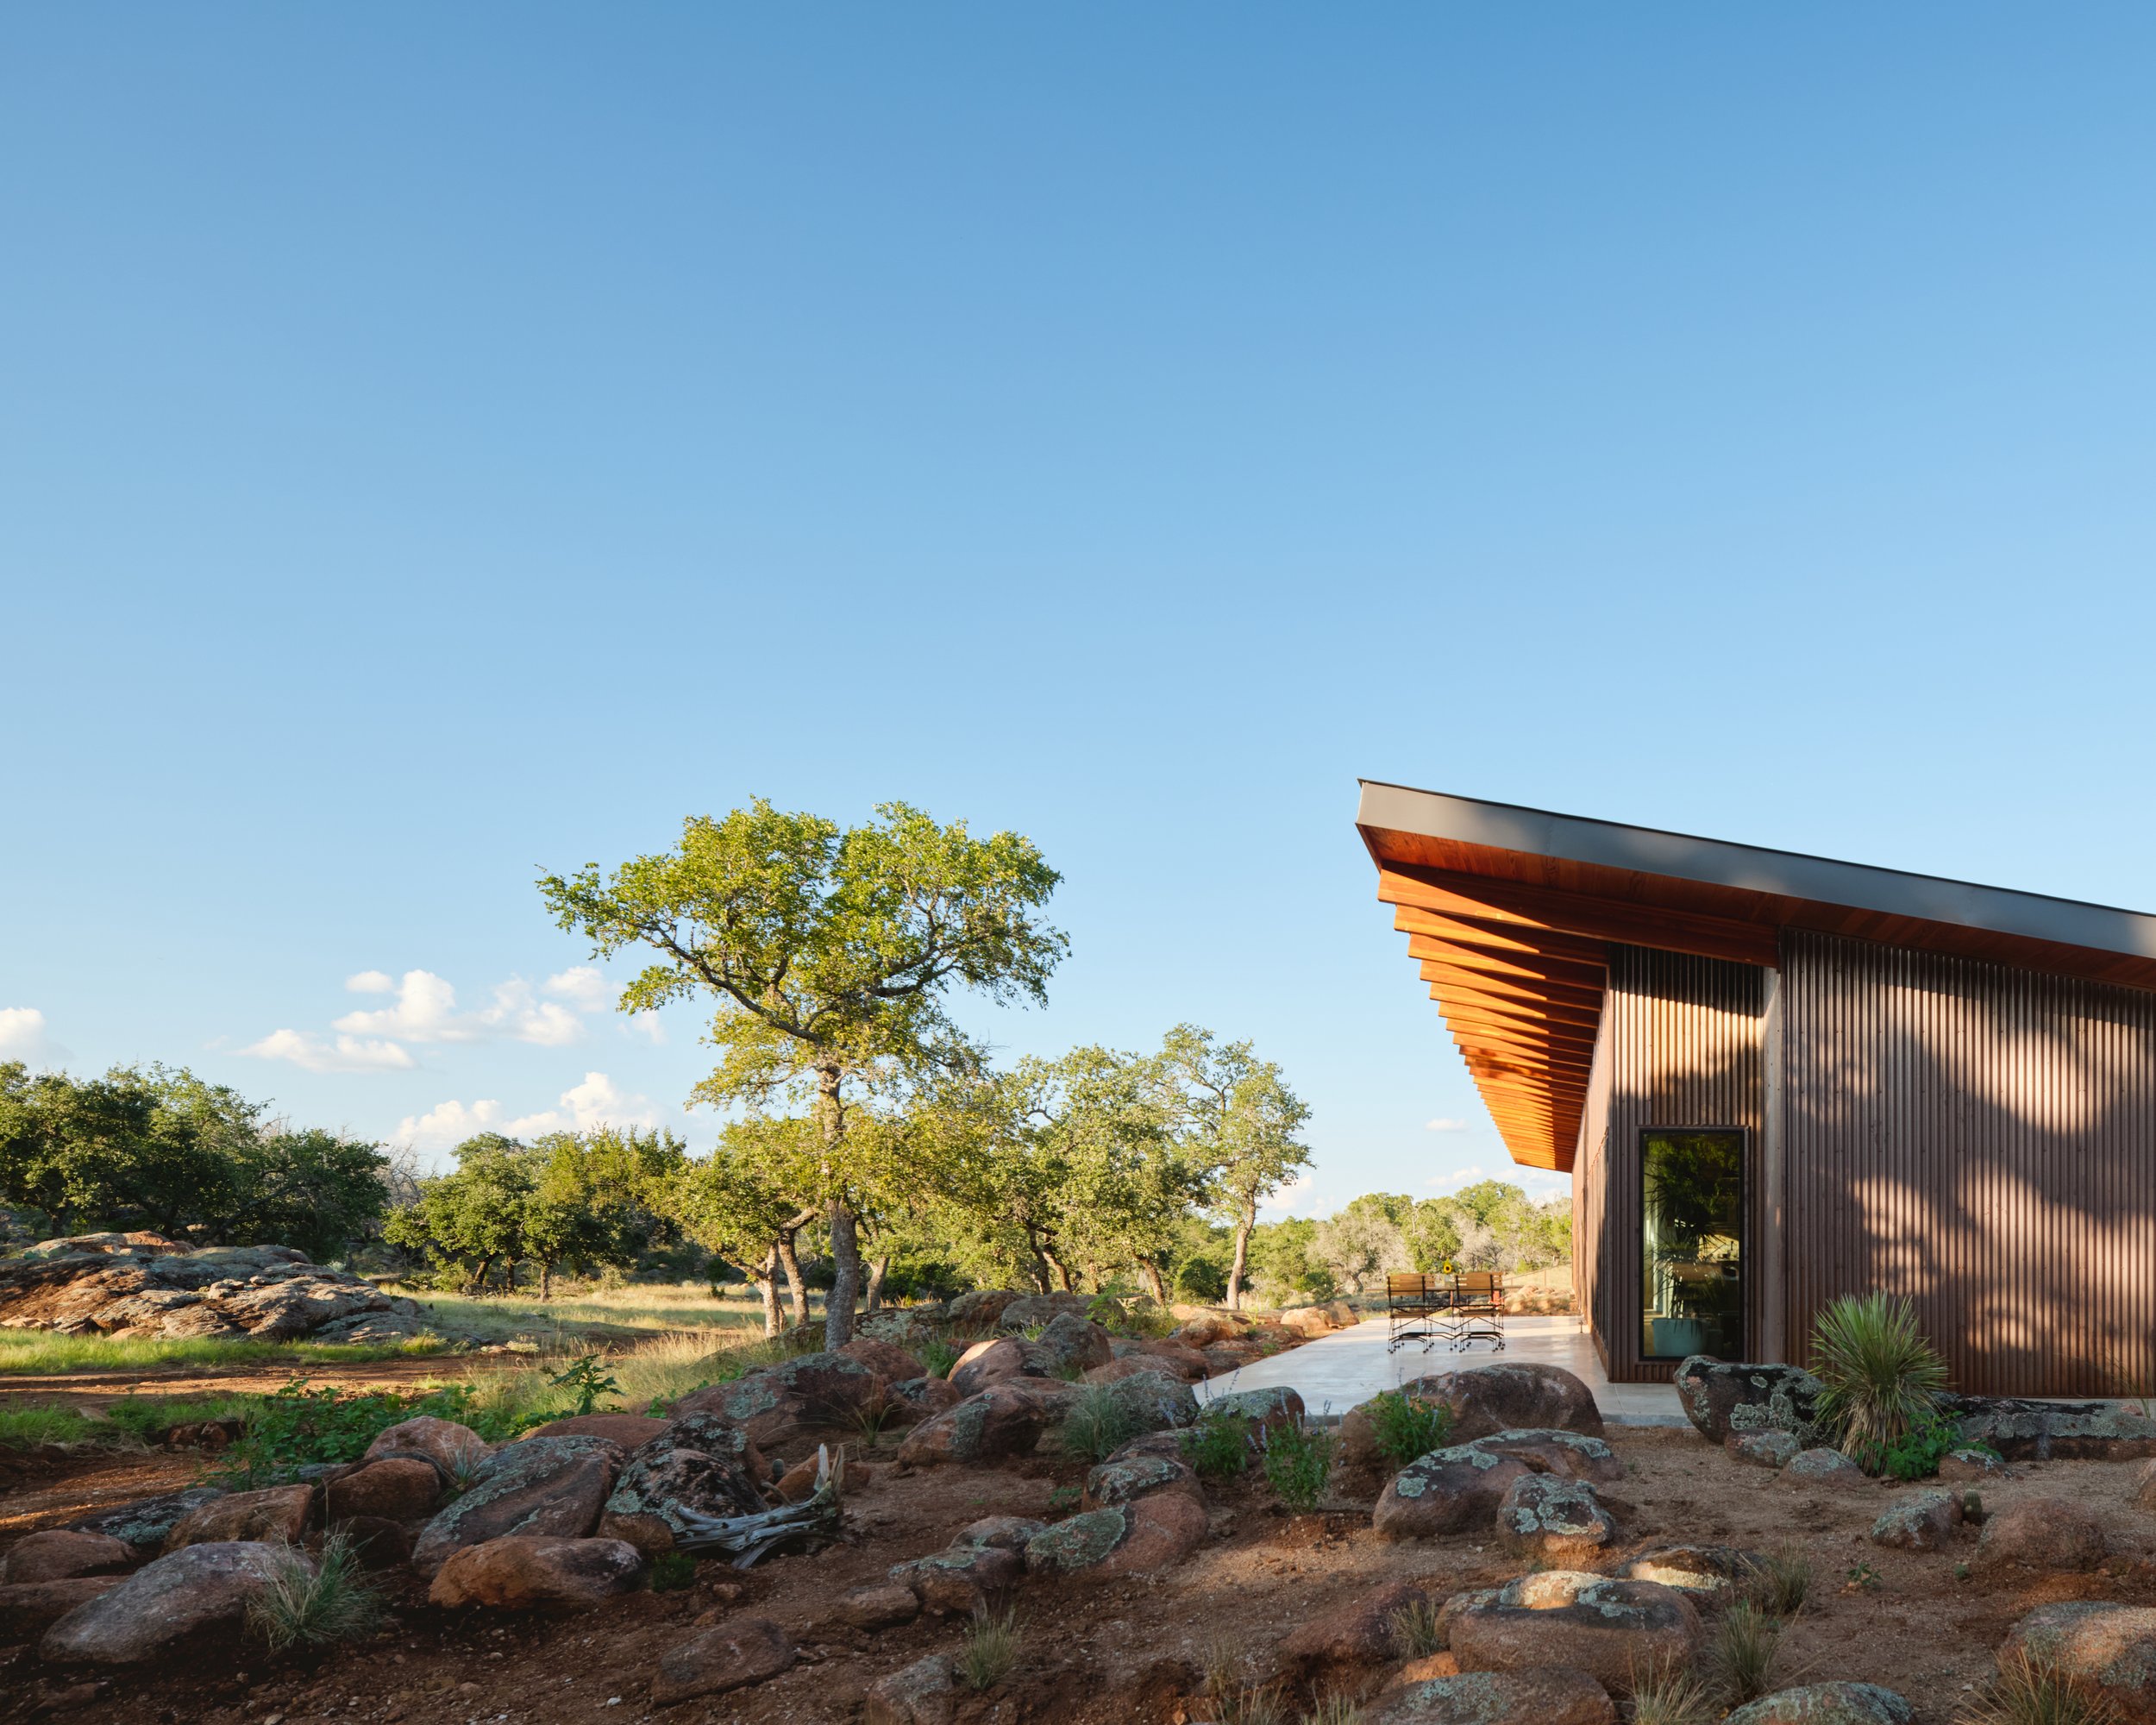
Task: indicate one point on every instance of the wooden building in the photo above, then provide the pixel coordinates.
(1775, 1079)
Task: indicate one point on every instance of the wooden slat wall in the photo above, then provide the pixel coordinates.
(1982, 1139)
(1590, 1166)
(1685, 1049)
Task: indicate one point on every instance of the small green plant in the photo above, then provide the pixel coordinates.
(1416, 1632)
(316, 1604)
(1779, 1583)
(1961, 1571)
(1740, 1656)
(870, 1419)
(990, 1651)
(1863, 1578)
(1915, 1454)
(1062, 1499)
(1335, 1709)
(587, 1379)
(672, 1571)
(1884, 1379)
(2027, 1693)
(1218, 1445)
(1298, 1460)
(937, 1358)
(1407, 1428)
(1664, 1693)
(1099, 1422)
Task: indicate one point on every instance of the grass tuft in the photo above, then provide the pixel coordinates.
(317, 1605)
(1099, 1422)
(1416, 1630)
(2027, 1693)
(937, 1358)
(1235, 1701)
(990, 1652)
(1740, 1656)
(1778, 1584)
(1407, 1428)
(1666, 1693)
(1335, 1709)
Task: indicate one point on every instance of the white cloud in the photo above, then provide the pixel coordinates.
(22, 1037)
(647, 1025)
(321, 1054)
(1458, 1176)
(426, 1010)
(1292, 1195)
(596, 1101)
(582, 986)
(1446, 1126)
(370, 982)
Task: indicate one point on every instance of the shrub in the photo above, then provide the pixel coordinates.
(1099, 1422)
(1778, 1584)
(1218, 1445)
(1916, 1453)
(586, 1380)
(315, 1605)
(1298, 1460)
(2027, 1693)
(1884, 1379)
(1740, 1656)
(297, 1427)
(990, 1651)
(1407, 1428)
(1415, 1629)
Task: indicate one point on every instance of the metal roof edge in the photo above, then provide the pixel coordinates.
(1893, 892)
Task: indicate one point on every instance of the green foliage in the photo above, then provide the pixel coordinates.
(156, 1147)
(316, 1604)
(2025, 1692)
(1915, 1454)
(1863, 1578)
(587, 1201)
(937, 1358)
(827, 956)
(1407, 1428)
(1883, 1378)
(1298, 1460)
(1417, 1629)
(1218, 1447)
(990, 1651)
(297, 1425)
(22, 1428)
(1740, 1654)
(586, 1380)
(1099, 1423)
(672, 1571)
(1664, 1692)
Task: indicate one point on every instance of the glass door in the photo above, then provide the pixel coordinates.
(1691, 1243)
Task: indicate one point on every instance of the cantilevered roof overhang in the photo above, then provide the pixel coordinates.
(1511, 912)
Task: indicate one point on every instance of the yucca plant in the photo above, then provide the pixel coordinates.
(1882, 1378)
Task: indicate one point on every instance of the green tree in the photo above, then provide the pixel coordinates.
(1238, 1121)
(729, 1204)
(828, 955)
(475, 1217)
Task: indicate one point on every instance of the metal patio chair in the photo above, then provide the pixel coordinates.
(1477, 1312)
(1414, 1301)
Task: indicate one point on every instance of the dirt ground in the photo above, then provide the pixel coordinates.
(89, 1392)
(1126, 1653)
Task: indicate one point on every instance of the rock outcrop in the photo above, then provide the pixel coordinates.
(142, 1285)
(197, 1597)
(549, 1487)
(1722, 1396)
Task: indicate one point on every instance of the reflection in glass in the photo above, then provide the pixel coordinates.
(1691, 1230)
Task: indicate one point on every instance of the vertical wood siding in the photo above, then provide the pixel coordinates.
(1982, 1139)
(1590, 1191)
(1685, 1039)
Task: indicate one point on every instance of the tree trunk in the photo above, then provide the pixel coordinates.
(546, 1279)
(1056, 1264)
(1159, 1287)
(796, 1290)
(838, 1305)
(479, 1277)
(877, 1269)
(766, 1286)
(1244, 1224)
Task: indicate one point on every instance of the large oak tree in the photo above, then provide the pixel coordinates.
(828, 955)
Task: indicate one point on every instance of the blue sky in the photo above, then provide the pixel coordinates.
(439, 445)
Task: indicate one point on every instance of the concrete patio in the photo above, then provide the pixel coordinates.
(1335, 1372)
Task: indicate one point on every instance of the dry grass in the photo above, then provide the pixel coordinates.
(2027, 1693)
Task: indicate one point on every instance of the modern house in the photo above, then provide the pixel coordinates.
(1775, 1079)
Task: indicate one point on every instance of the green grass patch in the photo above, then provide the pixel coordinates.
(23, 1428)
(37, 1352)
